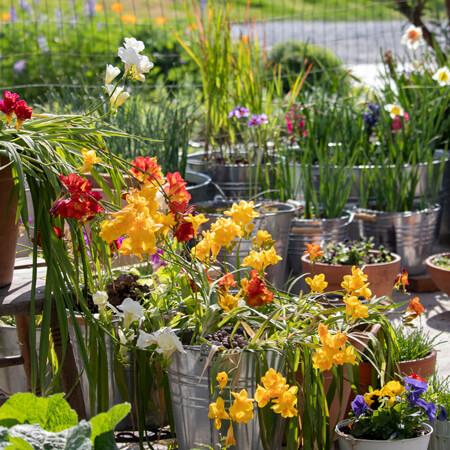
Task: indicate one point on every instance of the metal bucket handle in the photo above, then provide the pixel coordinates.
(296, 230)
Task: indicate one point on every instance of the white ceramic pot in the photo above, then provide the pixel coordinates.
(347, 442)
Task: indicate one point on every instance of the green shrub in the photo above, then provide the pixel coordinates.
(327, 71)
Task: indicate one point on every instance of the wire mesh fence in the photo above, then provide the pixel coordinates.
(48, 43)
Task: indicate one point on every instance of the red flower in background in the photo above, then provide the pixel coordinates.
(255, 290)
(8, 104)
(148, 165)
(184, 232)
(23, 112)
(177, 192)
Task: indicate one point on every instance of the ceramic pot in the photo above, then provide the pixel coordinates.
(423, 367)
(439, 275)
(9, 228)
(381, 276)
(347, 442)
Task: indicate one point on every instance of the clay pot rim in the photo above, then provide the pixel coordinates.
(397, 258)
(431, 355)
(429, 262)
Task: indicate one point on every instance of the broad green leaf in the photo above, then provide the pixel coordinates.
(51, 413)
(105, 422)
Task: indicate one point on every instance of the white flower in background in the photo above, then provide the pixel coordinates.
(413, 37)
(145, 339)
(132, 310)
(116, 95)
(111, 73)
(167, 342)
(442, 76)
(394, 110)
(100, 298)
(134, 62)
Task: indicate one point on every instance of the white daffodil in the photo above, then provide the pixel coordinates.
(167, 341)
(134, 44)
(394, 110)
(111, 73)
(100, 298)
(132, 310)
(442, 76)
(145, 339)
(413, 37)
(116, 95)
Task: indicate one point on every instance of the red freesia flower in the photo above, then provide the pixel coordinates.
(184, 232)
(8, 104)
(227, 281)
(22, 111)
(76, 184)
(148, 165)
(255, 290)
(59, 234)
(177, 192)
(415, 306)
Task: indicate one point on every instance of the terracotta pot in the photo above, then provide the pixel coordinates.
(439, 275)
(380, 276)
(9, 228)
(423, 367)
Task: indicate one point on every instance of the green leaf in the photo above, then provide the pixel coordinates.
(51, 413)
(105, 422)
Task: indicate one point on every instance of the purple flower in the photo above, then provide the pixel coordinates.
(157, 261)
(430, 408)
(12, 15)
(371, 118)
(19, 66)
(262, 118)
(415, 388)
(257, 119)
(359, 405)
(25, 6)
(89, 8)
(43, 44)
(238, 112)
(443, 414)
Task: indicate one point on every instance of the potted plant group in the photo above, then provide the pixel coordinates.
(336, 259)
(392, 417)
(439, 268)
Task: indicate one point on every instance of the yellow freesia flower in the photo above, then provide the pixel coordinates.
(263, 236)
(222, 379)
(218, 413)
(355, 308)
(230, 440)
(241, 411)
(318, 283)
(262, 396)
(285, 403)
(225, 230)
(274, 382)
(228, 301)
(89, 159)
(196, 221)
(242, 213)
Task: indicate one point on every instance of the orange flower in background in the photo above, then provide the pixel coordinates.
(244, 39)
(98, 7)
(255, 290)
(192, 27)
(415, 306)
(227, 281)
(117, 7)
(128, 18)
(402, 280)
(6, 17)
(148, 165)
(313, 250)
(160, 20)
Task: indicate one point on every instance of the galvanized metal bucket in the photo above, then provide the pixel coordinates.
(275, 218)
(410, 234)
(155, 418)
(309, 231)
(190, 380)
(198, 186)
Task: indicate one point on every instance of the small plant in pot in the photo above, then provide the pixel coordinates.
(396, 412)
(439, 393)
(337, 258)
(439, 268)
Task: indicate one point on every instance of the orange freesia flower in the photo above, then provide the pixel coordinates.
(226, 281)
(415, 306)
(117, 7)
(417, 377)
(241, 411)
(176, 191)
(160, 20)
(244, 39)
(228, 302)
(218, 413)
(255, 290)
(192, 27)
(230, 440)
(402, 280)
(222, 379)
(128, 18)
(313, 250)
(148, 165)
(98, 7)
(6, 17)
(285, 403)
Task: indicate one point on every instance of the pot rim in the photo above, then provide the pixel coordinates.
(431, 355)
(345, 215)
(429, 209)
(428, 428)
(429, 260)
(194, 159)
(396, 259)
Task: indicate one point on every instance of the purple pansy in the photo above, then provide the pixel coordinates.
(238, 112)
(430, 408)
(443, 414)
(415, 388)
(359, 405)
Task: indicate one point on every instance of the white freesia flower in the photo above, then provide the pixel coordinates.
(100, 298)
(111, 73)
(394, 110)
(442, 76)
(413, 37)
(130, 57)
(117, 95)
(132, 310)
(145, 339)
(124, 339)
(167, 341)
(134, 44)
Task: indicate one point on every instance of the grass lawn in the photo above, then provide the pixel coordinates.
(173, 10)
